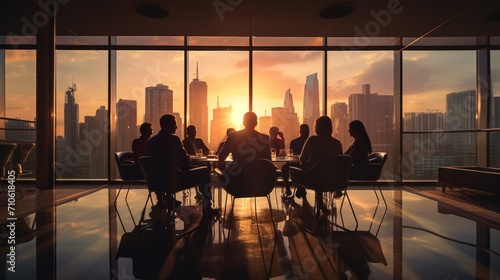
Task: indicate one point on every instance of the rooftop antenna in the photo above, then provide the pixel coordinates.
(197, 70)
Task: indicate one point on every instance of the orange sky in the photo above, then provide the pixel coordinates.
(427, 78)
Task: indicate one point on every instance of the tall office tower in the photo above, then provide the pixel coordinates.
(424, 151)
(71, 134)
(461, 108)
(494, 140)
(180, 126)
(265, 123)
(198, 106)
(286, 119)
(126, 124)
(94, 147)
(159, 101)
(221, 121)
(340, 123)
(311, 100)
(377, 114)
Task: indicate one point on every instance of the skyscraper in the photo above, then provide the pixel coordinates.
(377, 114)
(311, 100)
(285, 118)
(198, 106)
(159, 101)
(461, 109)
(424, 150)
(71, 134)
(126, 124)
(94, 149)
(221, 121)
(340, 123)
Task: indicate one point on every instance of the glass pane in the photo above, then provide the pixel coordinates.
(20, 103)
(440, 41)
(82, 40)
(161, 74)
(217, 93)
(20, 40)
(439, 93)
(287, 41)
(150, 40)
(362, 41)
(82, 114)
(217, 41)
(360, 87)
(288, 90)
(495, 110)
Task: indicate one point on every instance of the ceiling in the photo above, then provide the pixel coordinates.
(286, 18)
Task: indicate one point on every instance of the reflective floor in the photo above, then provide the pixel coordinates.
(418, 235)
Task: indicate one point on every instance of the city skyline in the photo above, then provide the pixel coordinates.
(346, 73)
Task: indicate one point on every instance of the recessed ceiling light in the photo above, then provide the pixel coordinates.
(151, 10)
(337, 10)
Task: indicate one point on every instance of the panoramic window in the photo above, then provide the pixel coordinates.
(494, 138)
(82, 116)
(287, 90)
(217, 93)
(149, 85)
(20, 101)
(438, 94)
(360, 87)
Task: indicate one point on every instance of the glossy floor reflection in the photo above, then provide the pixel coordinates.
(418, 235)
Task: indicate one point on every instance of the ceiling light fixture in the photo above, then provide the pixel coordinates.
(337, 10)
(151, 10)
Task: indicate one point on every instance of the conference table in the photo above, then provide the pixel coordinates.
(213, 161)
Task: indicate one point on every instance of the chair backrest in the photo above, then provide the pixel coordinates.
(376, 161)
(6, 151)
(254, 179)
(129, 171)
(331, 175)
(22, 152)
(160, 174)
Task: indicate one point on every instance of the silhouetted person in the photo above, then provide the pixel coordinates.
(359, 149)
(191, 143)
(168, 146)
(296, 144)
(229, 130)
(321, 146)
(247, 144)
(277, 140)
(139, 144)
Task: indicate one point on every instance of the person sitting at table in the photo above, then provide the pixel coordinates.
(277, 140)
(359, 149)
(168, 146)
(229, 130)
(247, 144)
(139, 144)
(296, 145)
(192, 144)
(318, 147)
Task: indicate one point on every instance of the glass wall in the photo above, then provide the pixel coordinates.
(438, 95)
(288, 90)
(20, 101)
(217, 93)
(211, 82)
(82, 118)
(494, 140)
(156, 74)
(361, 87)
